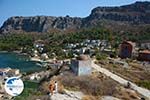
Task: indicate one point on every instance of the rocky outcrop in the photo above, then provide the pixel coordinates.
(108, 98)
(68, 95)
(40, 23)
(137, 13)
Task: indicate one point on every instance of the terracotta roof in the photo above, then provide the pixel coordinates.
(40, 41)
(83, 57)
(130, 42)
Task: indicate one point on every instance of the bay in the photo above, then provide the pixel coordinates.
(18, 61)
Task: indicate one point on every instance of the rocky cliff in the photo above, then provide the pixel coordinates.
(134, 14)
(137, 13)
(40, 23)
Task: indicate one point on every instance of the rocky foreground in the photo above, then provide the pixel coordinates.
(72, 95)
(68, 95)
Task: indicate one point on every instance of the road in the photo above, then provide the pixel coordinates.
(142, 91)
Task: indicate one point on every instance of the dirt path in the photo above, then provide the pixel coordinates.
(142, 91)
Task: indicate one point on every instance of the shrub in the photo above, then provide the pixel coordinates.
(100, 56)
(89, 85)
(145, 84)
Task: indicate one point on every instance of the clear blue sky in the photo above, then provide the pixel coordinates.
(80, 8)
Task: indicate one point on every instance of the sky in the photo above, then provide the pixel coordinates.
(78, 8)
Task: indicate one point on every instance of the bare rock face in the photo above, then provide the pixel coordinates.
(137, 13)
(40, 23)
(68, 95)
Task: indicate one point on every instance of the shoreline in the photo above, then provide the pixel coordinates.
(40, 60)
(25, 54)
(17, 52)
(36, 59)
(29, 60)
(4, 51)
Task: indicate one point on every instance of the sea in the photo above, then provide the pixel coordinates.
(18, 61)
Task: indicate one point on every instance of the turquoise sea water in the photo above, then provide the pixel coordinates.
(14, 60)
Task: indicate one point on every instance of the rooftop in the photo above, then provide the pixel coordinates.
(129, 42)
(83, 57)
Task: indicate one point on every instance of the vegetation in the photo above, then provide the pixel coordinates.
(145, 84)
(30, 90)
(15, 41)
(135, 37)
(94, 86)
(136, 73)
(55, 42)
(101, 56)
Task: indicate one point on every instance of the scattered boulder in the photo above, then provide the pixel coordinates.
(109, 98)
(68, 95)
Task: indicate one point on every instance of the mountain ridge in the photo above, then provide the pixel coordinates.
(136, 14)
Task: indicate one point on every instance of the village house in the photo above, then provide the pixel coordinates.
(70, 46)
(104, 43)
(13, 72)
(35, 53)
(44, 56)
(35, 76)
(9, 72)
(39, 45)
(87, 47)
(4, 74)
(126, 49)
(87, 41)
(144, 55)
(81, 65)
(144, 45)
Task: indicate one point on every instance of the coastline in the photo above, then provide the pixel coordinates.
(17, 52)
(26, 65)
(40, 60)
(4, 51)
(36, 59)
(25, 54)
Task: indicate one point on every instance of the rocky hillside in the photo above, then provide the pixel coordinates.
(137, 14)
(40, 23)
